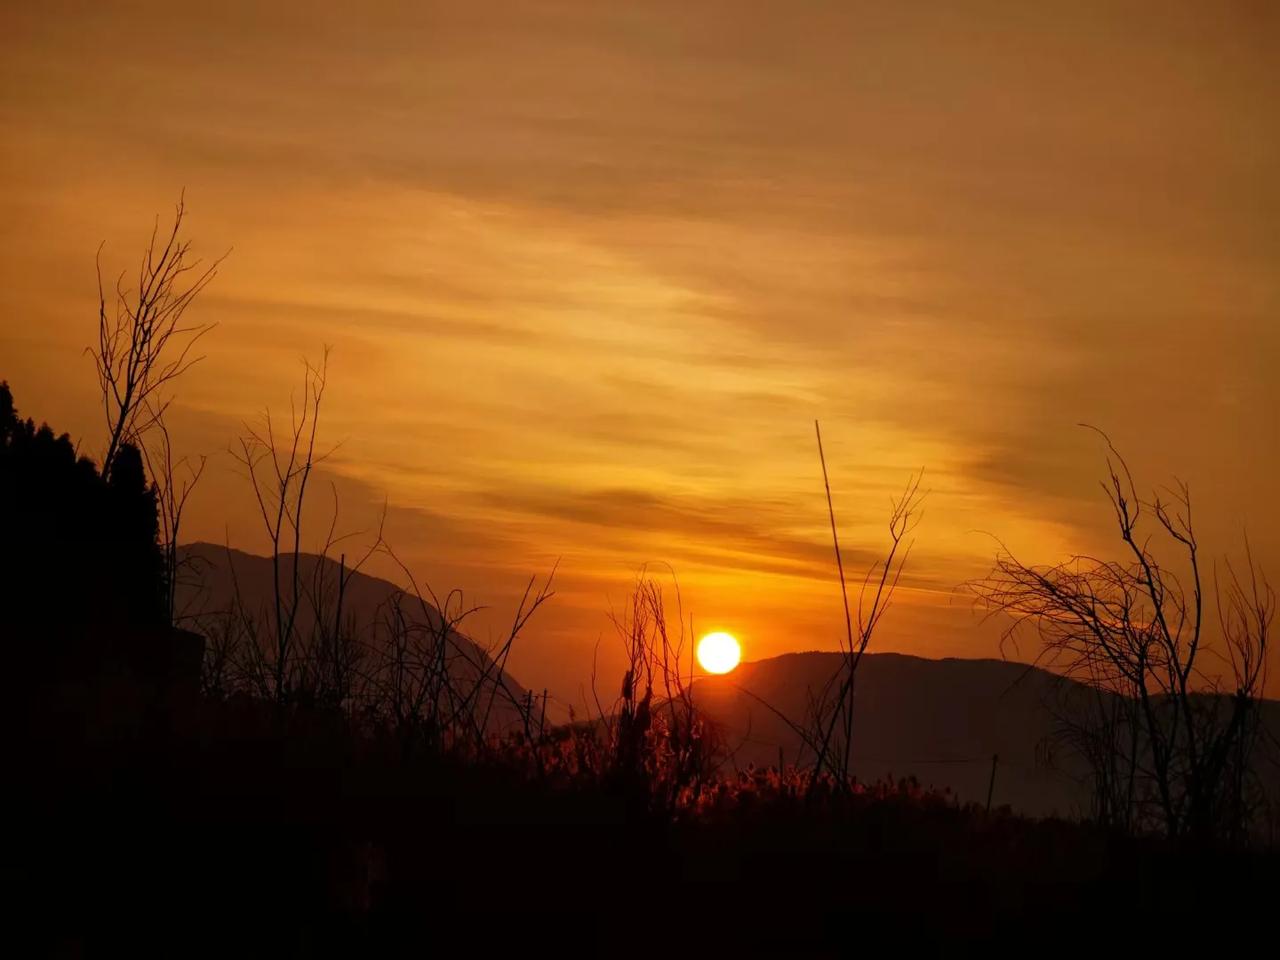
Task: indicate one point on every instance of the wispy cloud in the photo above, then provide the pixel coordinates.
(592, 270)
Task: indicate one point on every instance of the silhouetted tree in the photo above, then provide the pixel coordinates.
(406, 665)
(1168, 744)
(79, 552)
(279, 465)
(144, 345)
(173, 479)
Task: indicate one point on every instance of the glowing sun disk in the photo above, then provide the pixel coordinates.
(719, 652)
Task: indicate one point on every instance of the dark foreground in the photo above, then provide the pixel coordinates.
(219, 831)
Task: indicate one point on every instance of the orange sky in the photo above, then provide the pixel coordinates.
(590, 271)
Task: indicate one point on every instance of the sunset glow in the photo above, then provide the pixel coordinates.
(640, 476)
(590, 271)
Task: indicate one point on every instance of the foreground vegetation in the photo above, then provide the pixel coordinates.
(239, 825)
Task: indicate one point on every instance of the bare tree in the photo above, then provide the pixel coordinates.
(406, 663)
(279, 467)
(1167, 743)
(143, 346)
(173, 480)
(144, 343)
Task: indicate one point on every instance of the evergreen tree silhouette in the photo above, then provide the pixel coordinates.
(79, 555)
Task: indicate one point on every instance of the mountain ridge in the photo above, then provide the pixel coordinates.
(229, 577)
(947, 721)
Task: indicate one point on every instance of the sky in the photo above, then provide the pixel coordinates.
(590, 271)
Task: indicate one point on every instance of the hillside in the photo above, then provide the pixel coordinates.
(221, 578)
(939, 720)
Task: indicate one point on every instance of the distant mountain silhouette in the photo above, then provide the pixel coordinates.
(938, 720)
(217, 573)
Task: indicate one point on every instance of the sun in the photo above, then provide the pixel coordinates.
(719, 652)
